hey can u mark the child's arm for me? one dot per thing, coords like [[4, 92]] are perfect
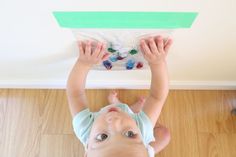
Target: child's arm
[[155, 52], [77, 78]]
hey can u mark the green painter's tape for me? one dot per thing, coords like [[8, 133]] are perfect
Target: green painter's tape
[[145, 20]]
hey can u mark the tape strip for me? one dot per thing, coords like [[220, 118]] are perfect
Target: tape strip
[[139, 20]]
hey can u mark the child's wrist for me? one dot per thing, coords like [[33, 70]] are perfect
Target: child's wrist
[[84, 64], [157, 64]]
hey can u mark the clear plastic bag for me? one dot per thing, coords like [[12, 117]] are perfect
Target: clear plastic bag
[[122, 44]]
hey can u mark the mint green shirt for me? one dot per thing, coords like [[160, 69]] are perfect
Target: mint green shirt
[[83, 121]]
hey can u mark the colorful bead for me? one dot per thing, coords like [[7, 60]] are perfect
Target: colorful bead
[[123, 55], [130, 64], [107, 64], [113, 58], [111, 50], [120, 58], [139, 65], [133, 51]]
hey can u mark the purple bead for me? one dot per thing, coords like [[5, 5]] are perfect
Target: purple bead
[[120, 58], [107, 64]]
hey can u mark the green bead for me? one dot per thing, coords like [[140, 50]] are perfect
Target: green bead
[[133, 51], [111, 50]]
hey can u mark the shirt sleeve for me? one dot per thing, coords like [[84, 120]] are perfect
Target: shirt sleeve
[[145, 126], [82, 124], [151, 151]]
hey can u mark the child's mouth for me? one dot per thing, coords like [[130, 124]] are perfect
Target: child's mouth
[[113, 109]]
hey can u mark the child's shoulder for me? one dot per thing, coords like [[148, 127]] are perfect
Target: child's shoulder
[[82, 124]]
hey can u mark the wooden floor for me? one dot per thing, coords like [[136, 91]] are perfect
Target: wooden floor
[[37, 123]]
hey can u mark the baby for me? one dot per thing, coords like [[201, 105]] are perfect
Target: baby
[[119, 129]]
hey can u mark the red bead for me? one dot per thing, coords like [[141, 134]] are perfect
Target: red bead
[[139, 65]]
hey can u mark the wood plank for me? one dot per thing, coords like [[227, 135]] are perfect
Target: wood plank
[[226, 143], [60, 146], [211, 112], [177, 116], [97, 98], [54, 112], [20, 134], [229, 102], [217, 144]]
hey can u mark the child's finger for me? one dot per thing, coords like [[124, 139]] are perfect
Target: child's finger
[[152, 45], [167, 45], [145, 48], [97, 49], [81, 49], [141, 48], [160, 44], [102, 51], [88, 48]]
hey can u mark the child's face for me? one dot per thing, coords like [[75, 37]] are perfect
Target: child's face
[[114, 129]]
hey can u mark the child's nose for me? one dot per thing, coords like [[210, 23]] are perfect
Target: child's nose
[[113, 119]]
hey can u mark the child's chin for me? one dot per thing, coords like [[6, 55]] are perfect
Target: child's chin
[[106, 108]]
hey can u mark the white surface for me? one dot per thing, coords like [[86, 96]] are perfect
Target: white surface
[[35, 50]]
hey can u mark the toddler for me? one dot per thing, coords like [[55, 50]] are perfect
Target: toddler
[[119, 129]]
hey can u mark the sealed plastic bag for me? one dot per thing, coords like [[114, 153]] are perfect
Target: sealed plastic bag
[[122, 44]]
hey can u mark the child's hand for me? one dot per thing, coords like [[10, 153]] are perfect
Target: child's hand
[[90, 55], [154, 49]]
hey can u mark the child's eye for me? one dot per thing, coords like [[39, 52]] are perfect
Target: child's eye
[[130, 134], [101, 137]]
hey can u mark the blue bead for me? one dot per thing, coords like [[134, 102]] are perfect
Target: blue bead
[[107, 64], [130, 64], [113, 58]]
